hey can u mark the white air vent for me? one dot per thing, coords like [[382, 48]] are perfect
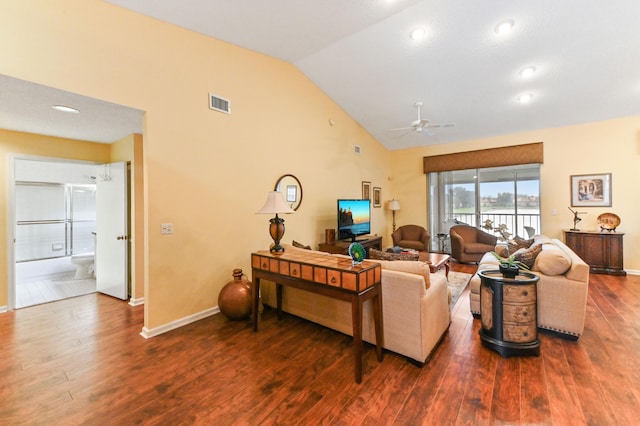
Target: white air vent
[[356, 149], [219, 104]]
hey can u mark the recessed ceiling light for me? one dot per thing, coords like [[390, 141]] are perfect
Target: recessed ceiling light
[[418, 34], [504, 27], [65, 109], [527, 72], [525, 97]]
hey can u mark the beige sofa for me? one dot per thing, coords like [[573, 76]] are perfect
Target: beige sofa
[[415, 317], [562, 288]]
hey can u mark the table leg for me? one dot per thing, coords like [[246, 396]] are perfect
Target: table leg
[[256, 299], [279, 300], [356, 316], [376, 304]]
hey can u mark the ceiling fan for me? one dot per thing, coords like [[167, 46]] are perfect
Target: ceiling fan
[[422, 125]]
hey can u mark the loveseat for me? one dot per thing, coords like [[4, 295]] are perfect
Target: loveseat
[[415, 308], [562, 288]]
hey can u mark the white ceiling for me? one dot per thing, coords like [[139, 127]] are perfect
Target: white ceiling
[[26, 107], [360, 54]]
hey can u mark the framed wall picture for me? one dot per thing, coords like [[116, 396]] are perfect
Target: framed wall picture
[[377, 197], [591, 190], [366, 190]]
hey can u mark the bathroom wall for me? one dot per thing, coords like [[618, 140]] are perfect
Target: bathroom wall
[[55, 209]]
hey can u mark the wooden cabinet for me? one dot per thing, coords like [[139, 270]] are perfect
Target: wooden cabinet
[[508, 308], [602, 251], [342, 247]]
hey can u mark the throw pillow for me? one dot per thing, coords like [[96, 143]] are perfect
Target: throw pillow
[[513, 246], [382, 255], [552, 260], [528, 255], [522, 243], [300, 245], [410, 267]]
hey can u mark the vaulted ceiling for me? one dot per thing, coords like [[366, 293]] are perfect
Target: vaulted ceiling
[[584, 56]]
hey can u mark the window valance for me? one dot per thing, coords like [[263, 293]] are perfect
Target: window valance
[[530, 153]]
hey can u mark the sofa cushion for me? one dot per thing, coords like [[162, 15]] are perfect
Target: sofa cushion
[[528, 255], [383, 255], [411, 267], [552, 260]]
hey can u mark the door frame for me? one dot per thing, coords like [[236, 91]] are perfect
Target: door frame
[[10, 210]]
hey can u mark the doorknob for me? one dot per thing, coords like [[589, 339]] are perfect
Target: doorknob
[[122, 237]]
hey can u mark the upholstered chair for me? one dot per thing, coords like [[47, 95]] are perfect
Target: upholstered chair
[[469, 244], [411, 236]]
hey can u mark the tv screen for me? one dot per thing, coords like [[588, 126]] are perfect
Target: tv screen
[[354, 218]]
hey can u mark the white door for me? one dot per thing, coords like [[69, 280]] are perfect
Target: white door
[[112, 231]]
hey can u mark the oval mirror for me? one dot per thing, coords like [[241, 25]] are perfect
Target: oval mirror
[[291, 189]]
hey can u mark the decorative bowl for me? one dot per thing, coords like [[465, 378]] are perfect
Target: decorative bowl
[[608, 221], [357, 253]]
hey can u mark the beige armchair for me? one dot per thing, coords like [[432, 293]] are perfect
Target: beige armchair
[[469, 244], [411, 236]]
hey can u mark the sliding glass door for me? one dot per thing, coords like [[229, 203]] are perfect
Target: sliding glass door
[[508, 196]]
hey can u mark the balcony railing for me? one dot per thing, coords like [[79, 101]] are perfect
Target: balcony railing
[[509, 219]]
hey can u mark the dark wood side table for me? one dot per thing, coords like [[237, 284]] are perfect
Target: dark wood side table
[[508, 308], [436, 261], [602, 251], [342, 247], [327, 275]]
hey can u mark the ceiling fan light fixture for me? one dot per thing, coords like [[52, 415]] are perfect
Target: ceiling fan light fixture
[[418, 33], [504, 27], [64, 108]]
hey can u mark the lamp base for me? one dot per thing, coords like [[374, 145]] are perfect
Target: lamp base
[[276, 230]]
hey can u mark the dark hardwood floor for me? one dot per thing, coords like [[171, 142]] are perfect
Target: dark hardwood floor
[[82, 361]]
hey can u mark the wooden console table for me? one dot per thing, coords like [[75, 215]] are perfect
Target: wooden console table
[[342, 247], [602, 251], [508, 308], [327, 275]]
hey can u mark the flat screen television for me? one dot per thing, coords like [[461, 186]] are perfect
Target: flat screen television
[[354, 219]]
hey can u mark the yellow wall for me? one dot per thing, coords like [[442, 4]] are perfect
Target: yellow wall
[[611, 146], [205, 172], [45, 146]]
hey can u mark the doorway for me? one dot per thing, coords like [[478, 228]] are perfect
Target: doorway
[[55, 223]]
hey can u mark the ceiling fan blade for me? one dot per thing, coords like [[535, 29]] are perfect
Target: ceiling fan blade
[[441, 125], [402, 128], [426, 131]]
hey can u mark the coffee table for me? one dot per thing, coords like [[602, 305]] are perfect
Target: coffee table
[[436, 261]]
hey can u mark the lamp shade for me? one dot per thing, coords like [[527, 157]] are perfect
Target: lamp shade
[[394, 205], [275, 204]]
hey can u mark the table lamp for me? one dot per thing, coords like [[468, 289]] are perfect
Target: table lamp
[[393, 206], [275, 204]]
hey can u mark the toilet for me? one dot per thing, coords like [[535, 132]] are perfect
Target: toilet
[[85, 265]]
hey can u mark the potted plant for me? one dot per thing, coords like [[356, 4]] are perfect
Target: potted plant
[[509, 266]]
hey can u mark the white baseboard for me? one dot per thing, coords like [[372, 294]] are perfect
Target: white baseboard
[[632, 271], [136, 302], [4, 309], [148, 333]]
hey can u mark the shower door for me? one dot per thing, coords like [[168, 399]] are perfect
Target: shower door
[[112, 239]]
